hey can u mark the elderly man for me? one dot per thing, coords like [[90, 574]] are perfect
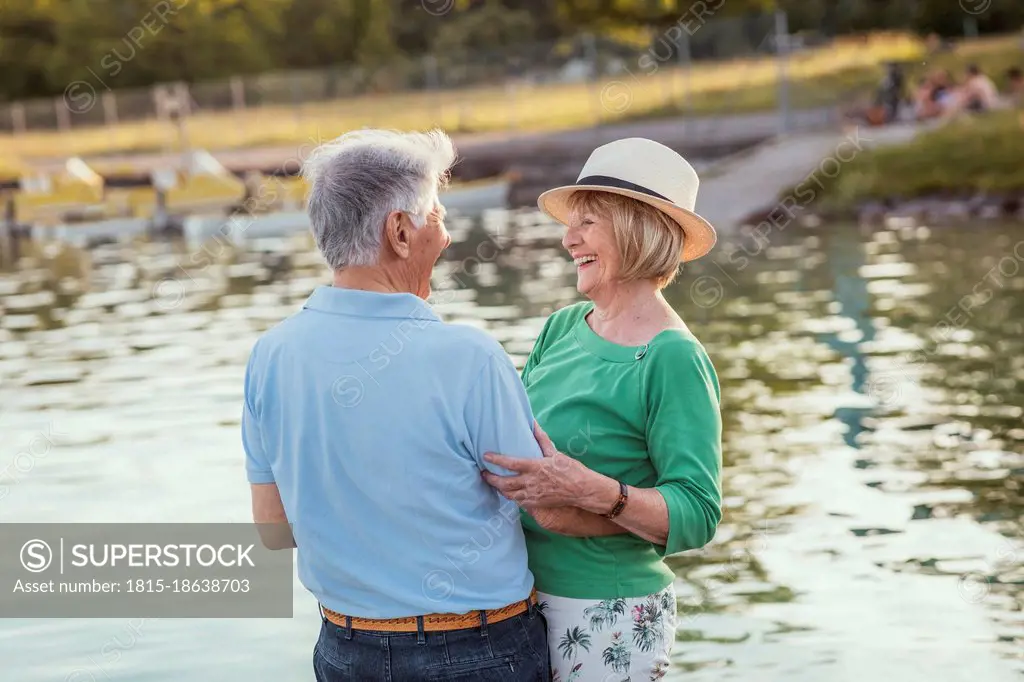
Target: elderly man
[[365, 423]]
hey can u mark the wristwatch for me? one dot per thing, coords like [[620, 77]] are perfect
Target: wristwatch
[[620, 503]]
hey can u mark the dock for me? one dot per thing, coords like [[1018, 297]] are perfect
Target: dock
[[487, 155], [743, 161], [734, 190]]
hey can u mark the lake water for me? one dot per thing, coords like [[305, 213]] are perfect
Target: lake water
[[874, 454]]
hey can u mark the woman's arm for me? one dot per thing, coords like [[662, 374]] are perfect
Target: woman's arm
[[544, 482], [684, 440], [684, 443], [574, 522], [645, 514]]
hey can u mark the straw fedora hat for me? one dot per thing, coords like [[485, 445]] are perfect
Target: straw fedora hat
[[646, 171]]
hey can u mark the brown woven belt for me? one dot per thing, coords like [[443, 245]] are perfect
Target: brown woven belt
[[434, 622]]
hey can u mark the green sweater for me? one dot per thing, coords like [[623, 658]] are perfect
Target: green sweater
[[648, 417]]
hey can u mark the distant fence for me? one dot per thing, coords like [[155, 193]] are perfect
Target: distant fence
[[94, 101]]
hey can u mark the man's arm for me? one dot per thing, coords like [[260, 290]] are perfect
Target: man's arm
[[269, 515], [267, 509], [561, 516], [499, 419], [498, 415]]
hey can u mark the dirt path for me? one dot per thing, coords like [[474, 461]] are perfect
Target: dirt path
[[492, 153], [752, 181]]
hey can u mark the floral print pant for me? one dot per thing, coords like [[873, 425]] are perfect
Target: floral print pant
[[610, 640]]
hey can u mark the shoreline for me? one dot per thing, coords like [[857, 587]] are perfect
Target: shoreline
[[964, 170], [483, 155], [937, 210], [941, 210]]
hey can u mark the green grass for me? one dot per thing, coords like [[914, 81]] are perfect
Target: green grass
[[721, 87], [854, 84], [842, 73], [977, 154], [993, 55], [837, 87]]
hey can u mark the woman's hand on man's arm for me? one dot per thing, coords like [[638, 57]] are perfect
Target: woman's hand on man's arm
[[548, 490], [566, 497], [554, 480]]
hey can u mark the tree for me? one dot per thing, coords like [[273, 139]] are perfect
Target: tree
[[46, 45], [27, 35]]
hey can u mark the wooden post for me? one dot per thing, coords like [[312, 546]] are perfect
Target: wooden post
[[60, 105], [512, 94], [685, 58], [433, 81], [109, 108], [8, 236], [160, 103], [18, 118], [238, 104], [184, 99], [183, 109], [595, 76], [296, 103], [6, 246], [782, 51], [237, 93]]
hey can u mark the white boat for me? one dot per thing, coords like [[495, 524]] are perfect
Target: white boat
[[476, 197], [80, 234], [241, 228], [470, 199]]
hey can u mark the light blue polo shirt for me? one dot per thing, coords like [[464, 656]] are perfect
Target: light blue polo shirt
[[372, 417]]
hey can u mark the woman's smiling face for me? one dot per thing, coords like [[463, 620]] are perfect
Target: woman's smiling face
[[590, 241]]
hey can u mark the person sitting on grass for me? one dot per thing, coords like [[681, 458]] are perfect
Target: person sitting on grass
[[934, 95], [978, 93]]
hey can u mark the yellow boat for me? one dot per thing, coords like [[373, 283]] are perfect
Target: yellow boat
[[202, 186], [48, 199], [199, 186], [130, 202], [269, 193]]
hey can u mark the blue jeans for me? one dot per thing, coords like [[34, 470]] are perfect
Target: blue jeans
[[513, 650]]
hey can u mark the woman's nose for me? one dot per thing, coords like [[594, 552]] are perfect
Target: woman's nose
[[570, 238]]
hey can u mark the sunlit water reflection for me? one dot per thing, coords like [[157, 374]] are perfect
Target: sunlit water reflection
[[873, 422]]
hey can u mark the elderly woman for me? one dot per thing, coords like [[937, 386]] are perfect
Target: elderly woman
[[628, 393]]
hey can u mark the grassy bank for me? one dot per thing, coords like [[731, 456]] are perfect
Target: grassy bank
[[707, 88], [839, 74], [976, 154], [855, 85]]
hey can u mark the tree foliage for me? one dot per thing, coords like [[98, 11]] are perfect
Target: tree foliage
[[47, 44]]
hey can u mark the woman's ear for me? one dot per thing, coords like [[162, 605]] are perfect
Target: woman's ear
[[397, 233]]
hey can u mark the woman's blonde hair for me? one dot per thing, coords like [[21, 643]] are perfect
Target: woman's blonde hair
[[649, 242]]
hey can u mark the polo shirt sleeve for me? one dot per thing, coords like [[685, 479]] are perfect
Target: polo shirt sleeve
[[257, 464], [684, 440], [538, 348], [498, 415]]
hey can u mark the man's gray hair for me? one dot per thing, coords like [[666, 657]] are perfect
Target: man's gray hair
[[360, 177]]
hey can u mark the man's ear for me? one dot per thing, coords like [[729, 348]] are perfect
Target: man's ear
[[397, 233]]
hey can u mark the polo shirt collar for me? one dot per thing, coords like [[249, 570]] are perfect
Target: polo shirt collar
[[359, 303]]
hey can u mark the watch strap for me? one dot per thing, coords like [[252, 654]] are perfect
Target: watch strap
[[620, 503]]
